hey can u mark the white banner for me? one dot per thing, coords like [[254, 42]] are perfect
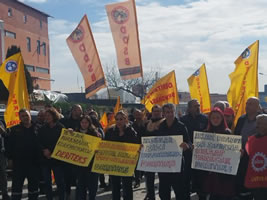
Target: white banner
[[161, 154], [216, 152]]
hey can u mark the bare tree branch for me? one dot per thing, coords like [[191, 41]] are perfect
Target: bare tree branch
[[114, 80]]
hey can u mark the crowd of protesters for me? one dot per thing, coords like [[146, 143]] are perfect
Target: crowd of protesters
[[29, 145]]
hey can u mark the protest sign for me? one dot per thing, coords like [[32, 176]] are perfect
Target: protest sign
[[161, 154], [216, 152], [75, 148], [116, 158]]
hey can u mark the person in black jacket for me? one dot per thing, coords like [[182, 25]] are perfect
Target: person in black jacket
[[3, 163], [121, 132], [152, 127], [48, 136], [73, 122], [246, 126], [172, 126], [194, 120], [23, 151], [87, 180]]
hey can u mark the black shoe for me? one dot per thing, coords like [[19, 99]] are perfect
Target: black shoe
[[104, 185], [136, 185], [6, 197]]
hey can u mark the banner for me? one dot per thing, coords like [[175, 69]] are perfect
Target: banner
[[216, 152], [163, 91], [83, 49], [161, 154], [13, 76], [199, 88], [116, 158], [123, 25], [244, 80], [257, 168], [75, 148]]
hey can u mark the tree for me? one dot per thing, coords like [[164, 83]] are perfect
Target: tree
[[3, 90], [136, 87]]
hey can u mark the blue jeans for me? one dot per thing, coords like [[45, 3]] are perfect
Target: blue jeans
[[59, 178]]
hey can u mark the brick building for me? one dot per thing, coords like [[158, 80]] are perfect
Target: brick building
[[26, 27]]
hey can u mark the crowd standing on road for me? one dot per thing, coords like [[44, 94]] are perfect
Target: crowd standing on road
[[29, 145]]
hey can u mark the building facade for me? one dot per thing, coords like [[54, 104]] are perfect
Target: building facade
[[27, 28]]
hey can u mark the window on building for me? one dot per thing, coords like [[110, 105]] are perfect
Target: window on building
[[28, 44], [44, 48], [42, 70], [38, 46], [10, 34], [9, 12], [30, 68], [25, 19], [41, 24]]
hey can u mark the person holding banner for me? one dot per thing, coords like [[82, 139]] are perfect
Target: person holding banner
[[73, 122], [48, 136], [87, 180], [23, 150], [172, 126], [121, 132], [152, 130], [218, 186], [194, 120]]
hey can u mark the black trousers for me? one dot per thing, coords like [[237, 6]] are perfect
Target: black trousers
[[259, 193], [150, 184], [168, 181], [126, 183], [20, 172]]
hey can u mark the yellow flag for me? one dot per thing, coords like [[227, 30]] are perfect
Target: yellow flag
[[163, 91], [244, 80], [123, 25], [13, 76], [117, 108], [199, 88], [104, 121]]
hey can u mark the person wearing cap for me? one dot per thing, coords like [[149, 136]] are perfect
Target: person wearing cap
[[229, 116]]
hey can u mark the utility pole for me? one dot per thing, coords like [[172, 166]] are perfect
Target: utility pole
[[2, 42]]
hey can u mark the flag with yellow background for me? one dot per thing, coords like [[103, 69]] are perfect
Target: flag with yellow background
[[13, 76], [244, 80], [163, 91], [199, 88]]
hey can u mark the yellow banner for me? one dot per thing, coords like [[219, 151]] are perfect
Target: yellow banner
[[75, 148], [199, 88], [123, 24], [83, 49], [244, 80], [116, 158], [13, 76], [163, 91]]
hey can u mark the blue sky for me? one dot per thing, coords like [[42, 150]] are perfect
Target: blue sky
[[180, 35]]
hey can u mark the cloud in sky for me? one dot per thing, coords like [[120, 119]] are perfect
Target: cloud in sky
[[33, 1], [179, 37]]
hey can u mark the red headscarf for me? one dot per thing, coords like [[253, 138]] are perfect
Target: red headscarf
[[223, 125]]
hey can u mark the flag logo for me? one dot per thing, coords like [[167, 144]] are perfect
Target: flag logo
[[11, 66], [120, 14], [246, 53], [196, 73], [78, 34]]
